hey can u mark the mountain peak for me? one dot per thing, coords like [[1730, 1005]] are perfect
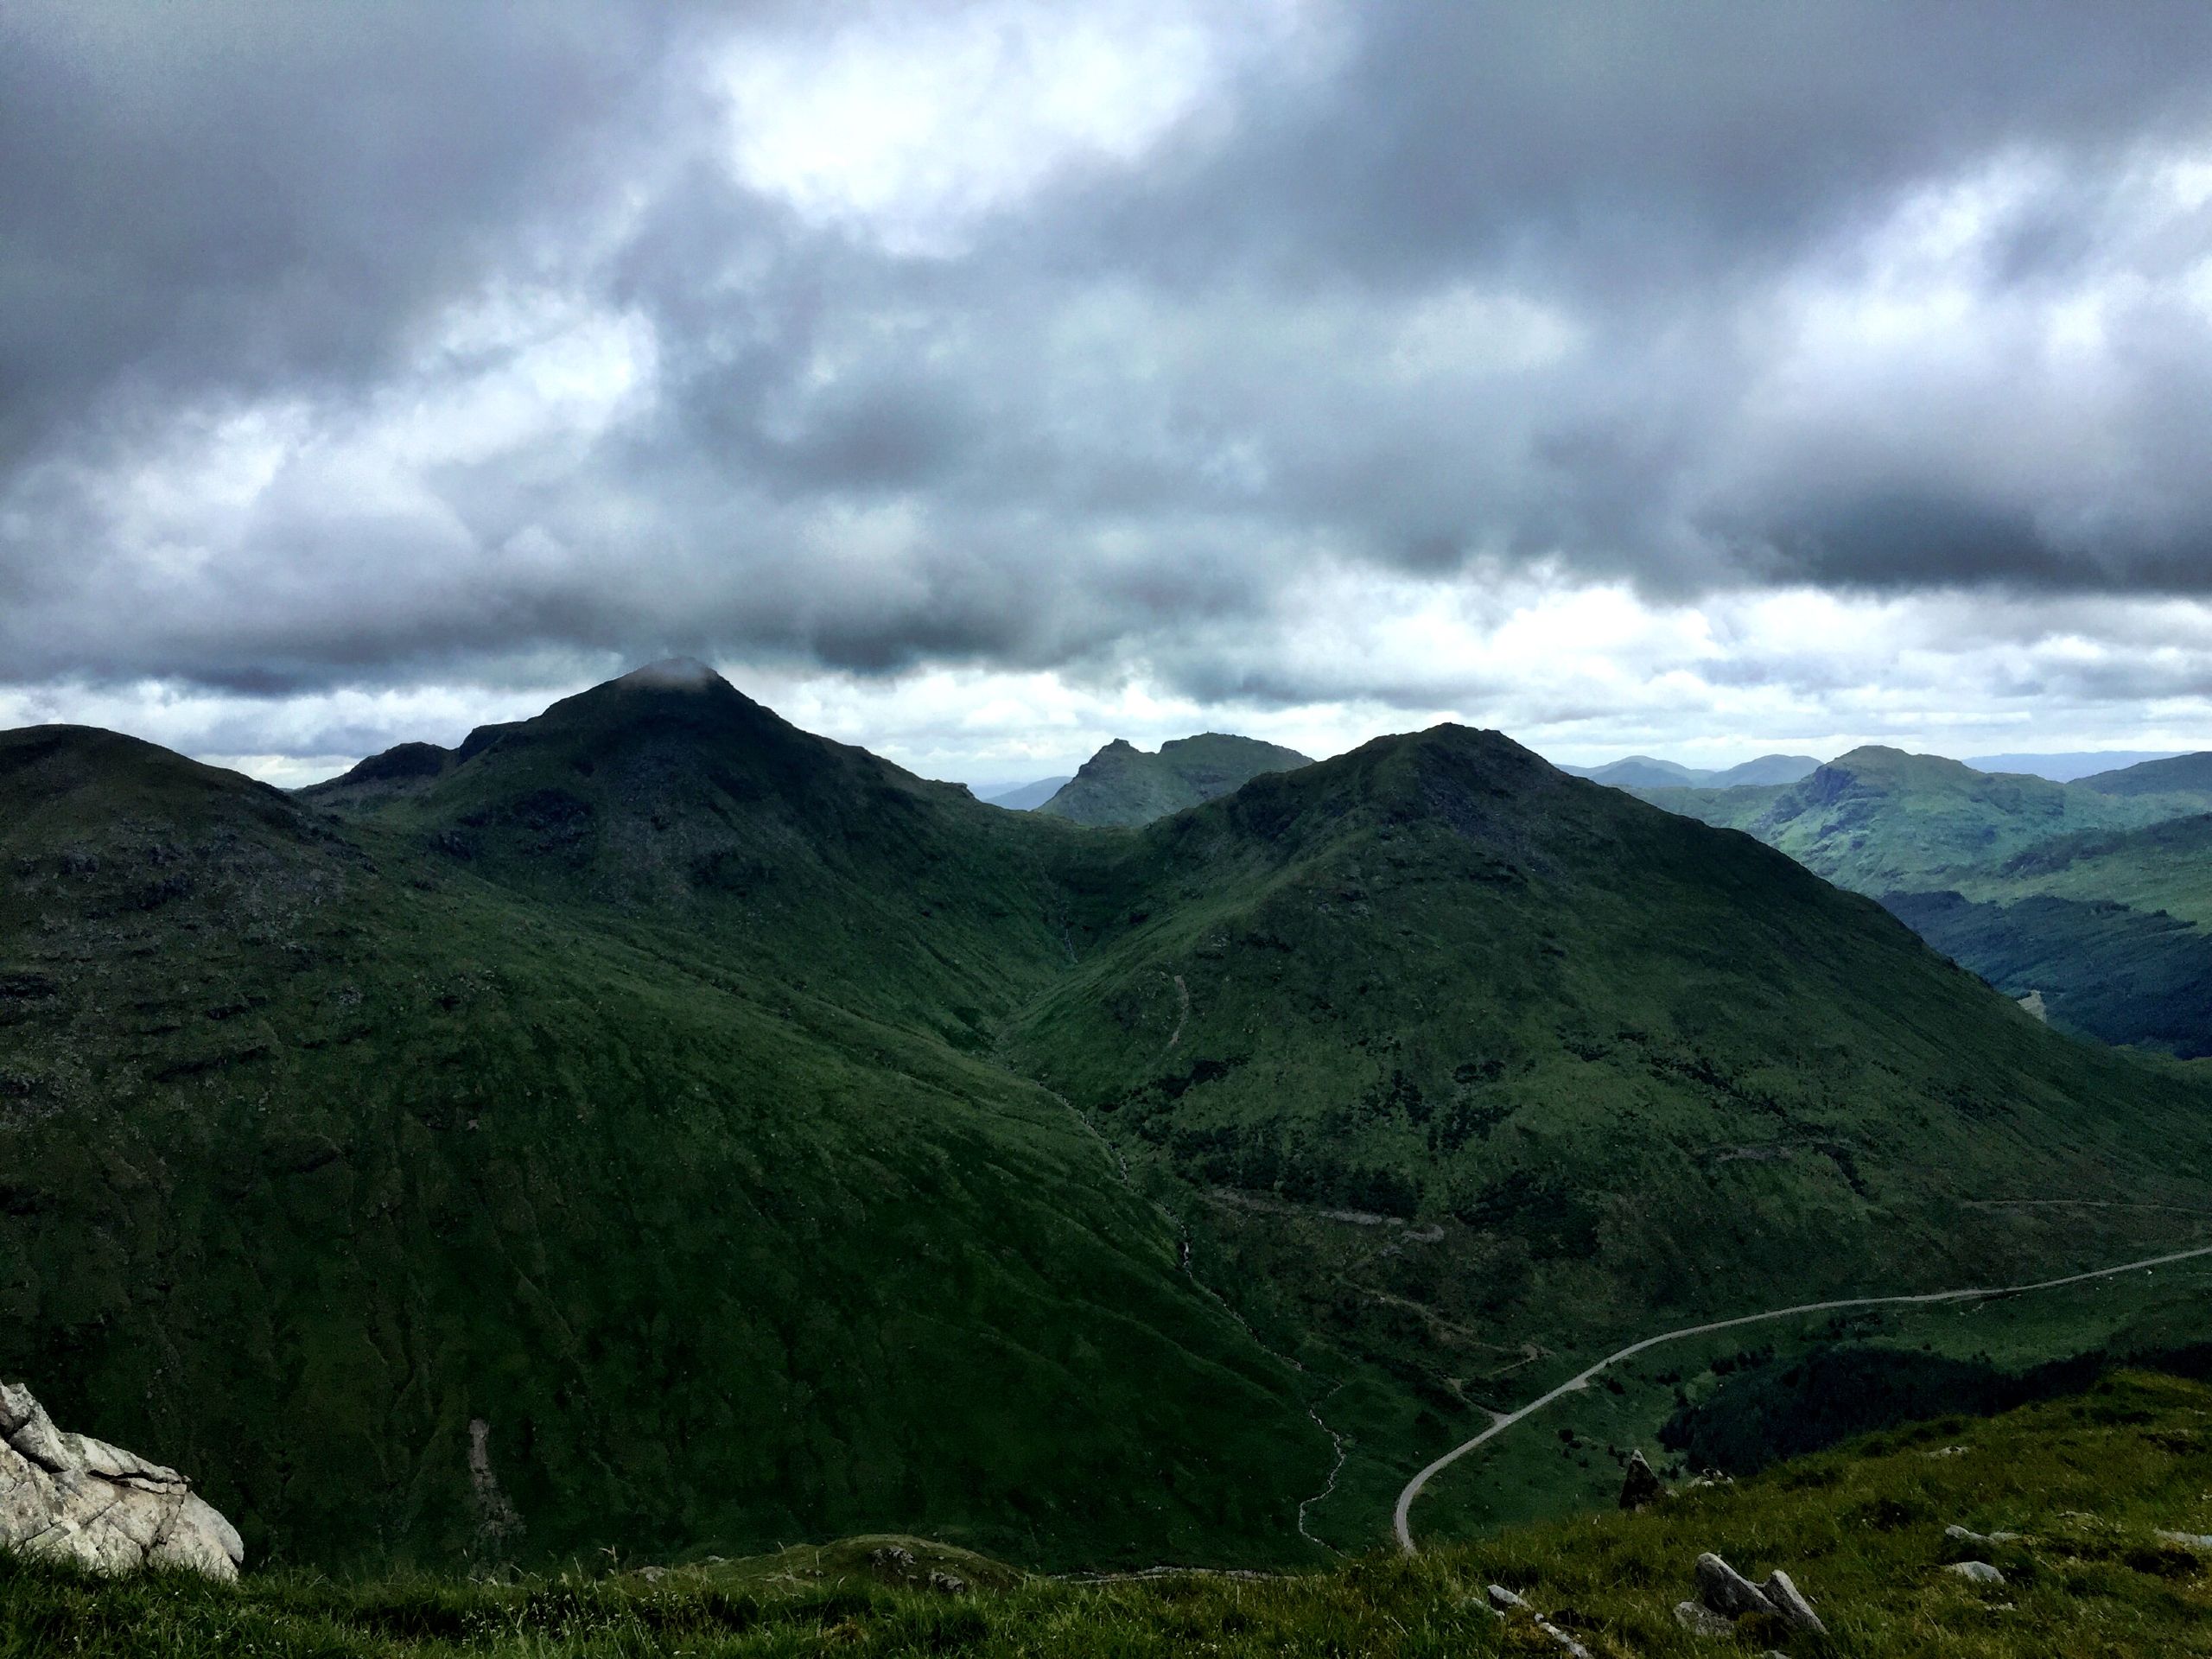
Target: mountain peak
[[673, 674]]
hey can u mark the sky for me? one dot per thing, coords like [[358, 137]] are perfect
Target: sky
[[979, 382]]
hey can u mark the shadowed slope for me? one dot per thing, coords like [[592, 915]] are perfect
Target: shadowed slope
[[428, 1220]]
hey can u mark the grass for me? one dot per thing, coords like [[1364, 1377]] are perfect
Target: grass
[[2089, 1482]]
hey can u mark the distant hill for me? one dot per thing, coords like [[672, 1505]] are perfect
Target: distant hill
[[1878, 819], [2176, 774], [2066, 767], [1122, 785], [1029, 797], [2097, 899], [1644, 772]]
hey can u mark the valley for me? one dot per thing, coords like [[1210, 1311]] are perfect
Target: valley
[[725, 1137]]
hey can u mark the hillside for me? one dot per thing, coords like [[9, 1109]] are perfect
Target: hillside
[[2180, 774], [1122, 785], [1455, 1055], [656, 1085], [2089, 895], [318, 1148], [2101, 1495]]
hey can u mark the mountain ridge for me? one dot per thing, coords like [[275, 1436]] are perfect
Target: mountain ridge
[[827, 1053]]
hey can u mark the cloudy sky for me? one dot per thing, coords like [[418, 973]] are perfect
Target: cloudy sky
[[981, 381]]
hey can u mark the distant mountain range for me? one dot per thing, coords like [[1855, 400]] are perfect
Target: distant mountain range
[[1027, 798], [699, 1135], [1122, 785], [1643, 772], [2094, 896], [1646, 772], [2065, 768]]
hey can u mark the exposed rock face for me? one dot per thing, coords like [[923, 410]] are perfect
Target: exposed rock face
[[1728, 1594], [1727, 1591], [1976, 1572], [1701, 1620], [71, 1497]]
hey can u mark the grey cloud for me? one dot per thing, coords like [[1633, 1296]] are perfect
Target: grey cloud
[[1122, 421]]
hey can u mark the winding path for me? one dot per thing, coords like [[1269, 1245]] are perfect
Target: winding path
[[1402, 1526]]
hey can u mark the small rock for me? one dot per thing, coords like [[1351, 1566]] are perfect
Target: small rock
[[1789, 1601], [948, 1584], [1976, 1572], [1946, 1451], [2186, 1540], [1727, 1591], [1639, 1485], [653, 1574], [1701, 1620], [891, 1558], [1503, 1599], [1959, 1535]]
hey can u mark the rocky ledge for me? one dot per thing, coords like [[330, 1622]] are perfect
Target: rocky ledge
[[71, 1497]]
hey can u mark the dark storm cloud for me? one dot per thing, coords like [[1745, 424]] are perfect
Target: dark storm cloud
[[1632, 147], [1461, 290], [232, 195]]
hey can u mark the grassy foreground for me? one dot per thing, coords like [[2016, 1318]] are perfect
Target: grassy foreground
[[2089, 1483]]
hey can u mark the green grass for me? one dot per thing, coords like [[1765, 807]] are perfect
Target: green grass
[[2089, 1481]]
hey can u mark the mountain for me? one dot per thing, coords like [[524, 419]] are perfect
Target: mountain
[[1765, 770], [2189, 774], [1029, 797], [2067, 767], [1640, 772], [1878, 819], [2058, 891], [1643, 772], [659, 1126], [481, 1191], [1122, 785]]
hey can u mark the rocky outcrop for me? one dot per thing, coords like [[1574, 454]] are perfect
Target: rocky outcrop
[[1639, 1484], [1727, 1595], [71, 1497]]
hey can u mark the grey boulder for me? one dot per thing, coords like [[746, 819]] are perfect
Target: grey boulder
[[70, 1497]]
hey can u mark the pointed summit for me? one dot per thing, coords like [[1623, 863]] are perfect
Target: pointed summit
[[673, 674]]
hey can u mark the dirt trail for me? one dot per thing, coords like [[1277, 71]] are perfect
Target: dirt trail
[[1401, 1522]]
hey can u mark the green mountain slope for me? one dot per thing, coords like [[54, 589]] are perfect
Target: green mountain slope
[[656, 1084], [2165, 866], [2075, 889], [317, 1148], [1463, 1062], [1880, 819], [2180, 774], [1122, 785]]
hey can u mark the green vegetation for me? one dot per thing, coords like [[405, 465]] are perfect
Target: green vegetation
[[2092, 896], [1878, 820], [762, 1143], [1122, 785], [2092, 1484]]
